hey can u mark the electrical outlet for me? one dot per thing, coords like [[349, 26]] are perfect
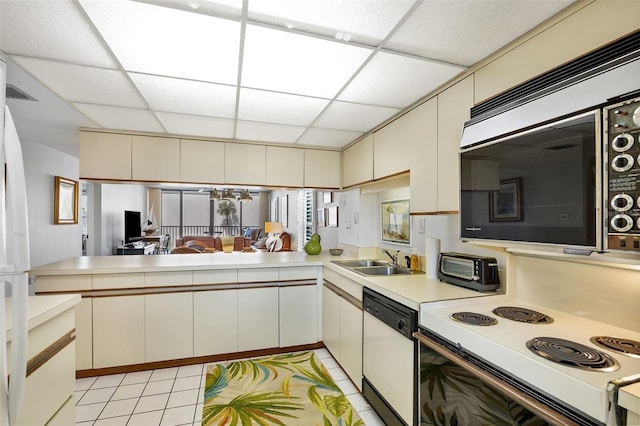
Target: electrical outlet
[[355, 217], [421, 226]]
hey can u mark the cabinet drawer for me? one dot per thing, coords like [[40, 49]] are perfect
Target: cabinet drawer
[[55, 283], [164, 279], [257, 275], [112, 281], [298, 273], [215, 276]]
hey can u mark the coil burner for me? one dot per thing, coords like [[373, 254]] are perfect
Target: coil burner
[[572, 354], [516, 313], [625, 346], [474, 318]]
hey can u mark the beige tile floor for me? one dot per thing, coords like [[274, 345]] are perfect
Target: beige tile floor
[[173, 396]]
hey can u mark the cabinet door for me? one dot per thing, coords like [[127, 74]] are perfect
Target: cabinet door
[[155, 159], [215, 322], [245, 164], [118, 331], [285, 166], [257, 318], [84, 334], [453, 110], [357, 163], [105, 156], [201, 161], [391, 147], [351, 341], [168, 326], [298, 315], [423, 145], [321, 169], [331, 321]]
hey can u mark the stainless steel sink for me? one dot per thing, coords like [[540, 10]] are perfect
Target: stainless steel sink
[[374, 267], [383, 270], [360, 263]]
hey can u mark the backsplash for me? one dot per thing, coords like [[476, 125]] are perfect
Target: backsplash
[[602, 293]]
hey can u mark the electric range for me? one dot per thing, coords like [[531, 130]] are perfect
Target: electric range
[[504, 344]]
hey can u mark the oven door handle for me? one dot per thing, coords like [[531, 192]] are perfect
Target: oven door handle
[[520, 397]]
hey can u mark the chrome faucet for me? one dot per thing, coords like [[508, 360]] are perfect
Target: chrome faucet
[[394, 258]]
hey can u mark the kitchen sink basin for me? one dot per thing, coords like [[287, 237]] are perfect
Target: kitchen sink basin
[[374, 267], [361, 263], [383, 270]]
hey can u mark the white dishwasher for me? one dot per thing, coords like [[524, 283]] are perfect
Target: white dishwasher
[[389, 358]]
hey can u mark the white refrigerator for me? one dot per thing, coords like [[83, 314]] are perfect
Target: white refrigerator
[[14, 262]]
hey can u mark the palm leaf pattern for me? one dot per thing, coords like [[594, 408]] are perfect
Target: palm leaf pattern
[[283, 389]]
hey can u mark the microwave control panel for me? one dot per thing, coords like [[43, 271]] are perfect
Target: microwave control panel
[[622, 176]]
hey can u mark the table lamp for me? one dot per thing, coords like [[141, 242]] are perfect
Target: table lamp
[[274, 229]]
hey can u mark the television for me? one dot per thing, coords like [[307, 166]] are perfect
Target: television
[[132, 225]]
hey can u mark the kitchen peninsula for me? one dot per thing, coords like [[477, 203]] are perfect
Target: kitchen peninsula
[[181, 309]]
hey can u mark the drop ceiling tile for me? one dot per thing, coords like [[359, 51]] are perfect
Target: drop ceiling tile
[[366, 22], [286, 62], [158, 40], [187, 96], [231, 9], [194, 125], [455, 31], [397, 80], [75, 83], [327, 137], [121, 118], [265, 132], [51, 30], [358, 117], [260, 105]]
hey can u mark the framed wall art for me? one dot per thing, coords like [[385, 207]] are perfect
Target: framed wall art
[[332, 217], [505, 205], [65, 205], [395, 221], [321, 217]]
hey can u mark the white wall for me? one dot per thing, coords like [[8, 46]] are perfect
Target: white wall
[[115, 199], [48, 242]]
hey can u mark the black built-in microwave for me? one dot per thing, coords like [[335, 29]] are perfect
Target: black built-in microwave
[[540, 185]]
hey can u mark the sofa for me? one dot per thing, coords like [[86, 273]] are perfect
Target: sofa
[[207, 241]]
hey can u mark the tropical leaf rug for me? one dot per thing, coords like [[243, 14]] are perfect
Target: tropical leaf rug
[[287, 389]]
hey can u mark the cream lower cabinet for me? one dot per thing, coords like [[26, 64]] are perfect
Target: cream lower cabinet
[[258, 318], [118, 331], [331, 321], [342, 331], [84, 334], [297, 315], [215, 322], [168, 322]]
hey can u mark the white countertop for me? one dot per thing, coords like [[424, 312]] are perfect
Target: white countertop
[[41, 309], [629, 398], [175, 262]]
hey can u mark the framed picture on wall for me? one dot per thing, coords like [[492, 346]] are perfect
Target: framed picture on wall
[[395, 221], [332, 217], [327, 197], [65, 204], [321, 217]]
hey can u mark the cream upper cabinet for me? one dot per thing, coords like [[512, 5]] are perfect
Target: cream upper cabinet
[[390, 147], [421, 136], [201, 161], [357, 163], [245, 163], [285, 166], [155, 159], [453, 110], [105, 156], [612, 18], [321, 169]]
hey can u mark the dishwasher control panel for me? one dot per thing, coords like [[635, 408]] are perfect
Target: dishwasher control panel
[[397, 316]]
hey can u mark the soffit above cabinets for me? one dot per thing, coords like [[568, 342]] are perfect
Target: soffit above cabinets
[[306, 72]]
